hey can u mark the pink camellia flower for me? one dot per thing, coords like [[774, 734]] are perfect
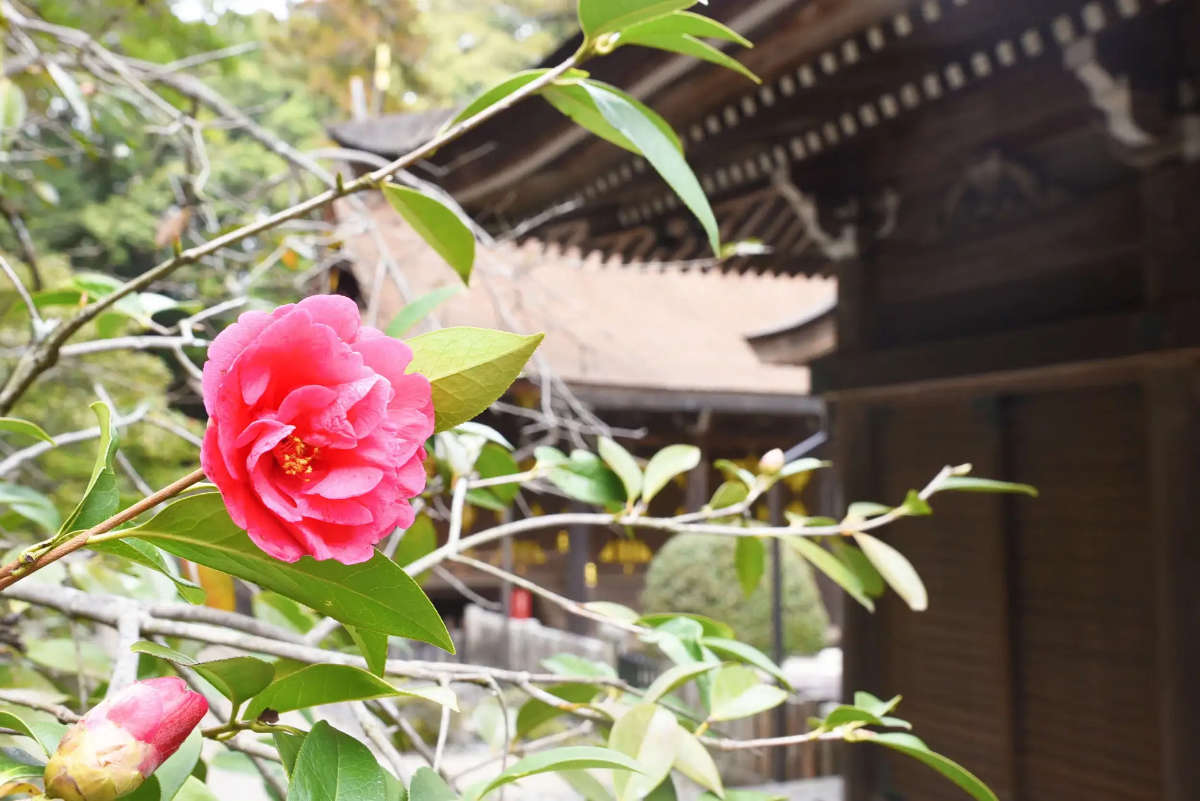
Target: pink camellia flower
[[316, 435], [120, 742]]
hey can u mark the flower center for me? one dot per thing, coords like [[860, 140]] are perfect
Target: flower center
[[295, 456]]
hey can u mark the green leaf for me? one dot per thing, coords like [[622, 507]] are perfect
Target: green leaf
[[428, 786], [707, 627], [419, 540], [866, 509], [587, 785], [494, 94], [896, 570], [469, 368], [737, 692], [146, 555], [730, 493], [25, 428], [690, 23], [971, 484], [693, 760], [534, 713], [645, 133], [495, 461], [837, 572], [31, 505], [39, 726], [665, 791], [598, 17], [238, 678], [438, 225], [735, 649], [101, 498], [172, 773], [18, 766], [585, 478], [805, 465], [734, 471], [858, 564], [613, 610], [195, 790], [164, 652], [650, 735], [377, 594], [876, 706], [333, 766], [750, 559], [656, 34], [12, 108], [574, 757], [288, 745], [419, 309], [571, 665], [574, 101], [622, 463], [316, 685], [283, 612], [373, 645], [914, 505], [914, 747], [845, 713], [665, 465], [676, 677]]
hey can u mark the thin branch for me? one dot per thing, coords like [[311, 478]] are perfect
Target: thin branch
[[35, 317]]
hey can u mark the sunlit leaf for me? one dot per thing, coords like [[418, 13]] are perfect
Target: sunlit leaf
[[737, 692], [438, 225], [665, 465], [972, 484], [828, 564], [18, 426], [333, 766], [576, 757], [598, 17], [916, 748], [469, 368], [896, 570], [101, 498], [622, 463], [649, 734]]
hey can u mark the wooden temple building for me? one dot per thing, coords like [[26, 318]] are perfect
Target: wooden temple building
[[1007, 193]]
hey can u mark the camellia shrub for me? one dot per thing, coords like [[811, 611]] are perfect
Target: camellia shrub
[[334, 448], [697, 574]]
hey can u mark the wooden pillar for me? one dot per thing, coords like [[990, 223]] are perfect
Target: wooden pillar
[[1173, 454], [578, 556]]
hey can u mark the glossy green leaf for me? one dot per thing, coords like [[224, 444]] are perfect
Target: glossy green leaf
[[419, 540], [18, 766], [572, 665], [837, 572], [101, 498], [740, 651], [585, 478], [598, 17], [867, 509], [613, 610], [737, 692], [494, 94], [665, 465], [660, 151], [914, 747], [662, 38], [858, 564], [283, 612], [319, 684], [876, 706], [730, 493], [469, 368], [172, 773], [165, 652], [238, 678], [574, 757], [438, 224], [676, 677], [147, 555], [25, 428], [373, 645], [665, 791], [693, 760], [972, 484], [333, 766], [534, 713], [31, 505], [495, 461], [419, 309], [734, 471], [428, 786], [703, 626], [195, 790], [623, 464], [41, 727], [649, 734], [573, 100], [690, 23], [376, 594], [288, 745], [914, 505], [750, 559], [588, 786], [896, 570], [805, 465], [845, 713]]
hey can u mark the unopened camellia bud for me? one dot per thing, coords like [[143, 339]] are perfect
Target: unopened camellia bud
[[120, 742], [771, 462]]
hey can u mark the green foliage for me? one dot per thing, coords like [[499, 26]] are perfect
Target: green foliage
[[437, 224], [696, 573]]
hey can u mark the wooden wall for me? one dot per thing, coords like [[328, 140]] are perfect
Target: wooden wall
[[1058, 656]]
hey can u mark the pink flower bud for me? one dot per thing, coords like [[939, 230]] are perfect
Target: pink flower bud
[[120, 742]]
